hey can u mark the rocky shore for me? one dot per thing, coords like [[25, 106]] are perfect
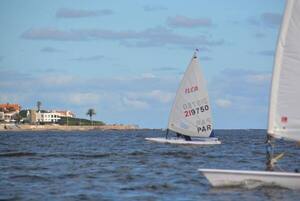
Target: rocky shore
[[55, 127]]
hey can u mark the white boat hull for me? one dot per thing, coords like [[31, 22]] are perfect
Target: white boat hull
[[223, 178], [206, 141]]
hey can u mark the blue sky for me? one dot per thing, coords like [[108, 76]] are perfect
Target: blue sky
[[126, 58]]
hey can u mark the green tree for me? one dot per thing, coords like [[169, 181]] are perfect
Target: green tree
[[39, 104], [17, 117], [91, 112]]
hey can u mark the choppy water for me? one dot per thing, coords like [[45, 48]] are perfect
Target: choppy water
[[116, 165]]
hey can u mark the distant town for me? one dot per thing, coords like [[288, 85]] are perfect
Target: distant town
[[13, 117]]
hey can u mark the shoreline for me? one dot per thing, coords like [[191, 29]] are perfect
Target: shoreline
[[55, 127]]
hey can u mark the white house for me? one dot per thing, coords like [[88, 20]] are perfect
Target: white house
[[9, 116], [47, 117]]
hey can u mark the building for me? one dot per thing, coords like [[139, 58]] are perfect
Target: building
[[9, 107], [47, 117], [9, 112], [42, 117], [10, 116], [66, 113], [31, 116]]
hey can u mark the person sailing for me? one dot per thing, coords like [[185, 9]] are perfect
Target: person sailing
[[269, 151], [186, 137]]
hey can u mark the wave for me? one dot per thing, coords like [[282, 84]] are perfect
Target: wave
[[177, 154], [30, 178], [66, 155], [17, 154], [150, 187]]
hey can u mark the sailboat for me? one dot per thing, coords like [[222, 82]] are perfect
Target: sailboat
[[284, 110], [190, 117]]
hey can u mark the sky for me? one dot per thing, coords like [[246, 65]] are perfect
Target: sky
[[126, 58]]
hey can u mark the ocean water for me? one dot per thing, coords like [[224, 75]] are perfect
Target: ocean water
[[121, 165]]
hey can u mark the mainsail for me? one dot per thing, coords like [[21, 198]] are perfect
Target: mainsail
[[284, 111], [190, 114]]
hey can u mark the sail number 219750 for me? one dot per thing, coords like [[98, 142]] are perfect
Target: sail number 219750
[[195, 111]]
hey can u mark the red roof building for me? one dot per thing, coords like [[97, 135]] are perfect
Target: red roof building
[[10, 107]]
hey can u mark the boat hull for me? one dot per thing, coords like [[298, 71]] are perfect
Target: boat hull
[[223, 178], [207, 141]]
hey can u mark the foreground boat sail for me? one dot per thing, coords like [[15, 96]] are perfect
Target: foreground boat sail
[[190, 117], [284, 110]]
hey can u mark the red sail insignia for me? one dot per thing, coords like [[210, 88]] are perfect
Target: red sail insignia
[[284, 119]]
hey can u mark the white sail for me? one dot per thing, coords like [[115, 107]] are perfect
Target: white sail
[[190, 114], [284, 111]]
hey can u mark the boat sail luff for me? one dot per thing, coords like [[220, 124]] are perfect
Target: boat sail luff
[[190, 114], [284, 110]]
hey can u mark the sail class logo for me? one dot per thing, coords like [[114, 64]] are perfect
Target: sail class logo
[[191, 89]]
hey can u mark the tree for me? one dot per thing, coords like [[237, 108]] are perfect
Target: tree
[[17, 117], [90, 113], [38, 104]]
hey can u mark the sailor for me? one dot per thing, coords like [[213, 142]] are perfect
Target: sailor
[[269, 147], [186, 137], [179, 135]]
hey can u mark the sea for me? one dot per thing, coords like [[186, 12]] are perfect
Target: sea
[[122, 165]]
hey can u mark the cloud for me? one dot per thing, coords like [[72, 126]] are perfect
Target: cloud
[[239, 83], [152, 8], [259, 35], [54, 34], [253, 21], [240, 98], [10, 97], [148, 76], [122, 99], [161, 96], [145, 86], [50, 50], [205, 58], [164, 69], [12, 75], [186, 22], [266, 53], [223, 103], [151, 37], [135, 104], [259, 78], [56, 79], [79, 13], [153, 95], [267, 19], [91, 58], [83, 98], [271, 19]]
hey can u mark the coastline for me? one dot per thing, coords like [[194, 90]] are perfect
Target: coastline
[[55, 127]]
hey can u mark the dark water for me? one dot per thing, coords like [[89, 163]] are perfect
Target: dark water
[[115, 165]]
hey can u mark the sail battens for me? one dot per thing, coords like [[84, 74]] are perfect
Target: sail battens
[[190, 114], [284, 111]]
